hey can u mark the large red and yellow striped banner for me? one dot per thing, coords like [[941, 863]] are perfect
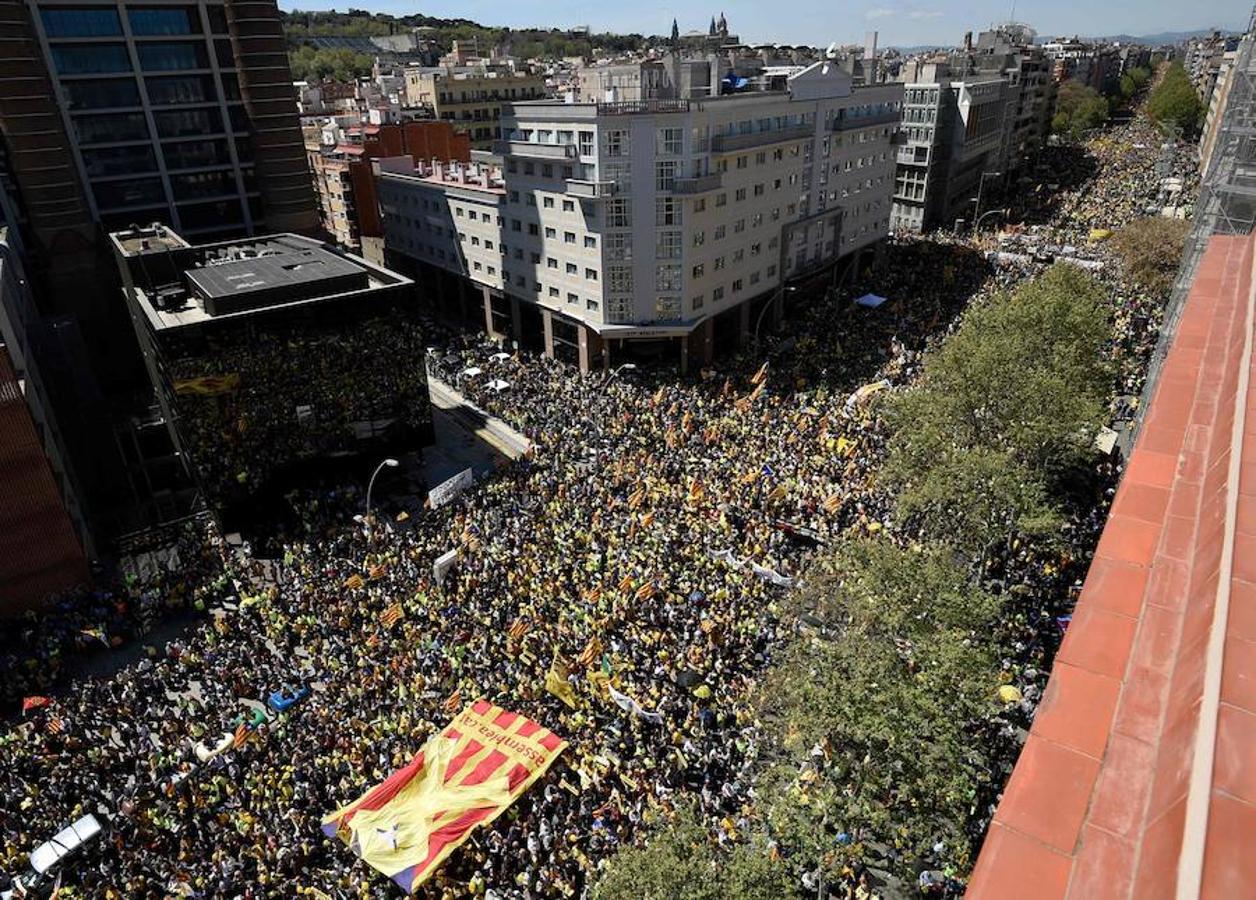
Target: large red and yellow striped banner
[[465, 776]]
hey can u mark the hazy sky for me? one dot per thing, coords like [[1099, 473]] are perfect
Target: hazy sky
[[818, 22]]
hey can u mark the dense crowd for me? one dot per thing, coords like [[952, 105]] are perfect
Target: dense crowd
[[285, 397], [647, 541]]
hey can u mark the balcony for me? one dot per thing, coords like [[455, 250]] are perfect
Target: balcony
[[529, 150], [888, 118], [635, 107], [590, 190], [697, 184], [729, 143]]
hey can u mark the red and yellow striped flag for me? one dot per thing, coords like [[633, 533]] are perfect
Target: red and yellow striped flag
[[453, 702], [832, 503], [392, 615], [464, 777], [646, 591], [355, 583], [591, 653], [760, 375], [625, 583], [519, 628], [242, 735], [55, 725]]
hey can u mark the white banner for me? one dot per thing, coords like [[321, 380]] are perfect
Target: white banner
[[443, 564], [447, 490]]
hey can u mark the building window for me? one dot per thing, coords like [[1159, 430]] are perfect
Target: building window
[[551, 263], [572, 298], [165, 57], [668, 245], [131, 192], [719, 232], [617, 143], [553, 292], [586, 143], [619, 279], [718, 263], [590, 274], [717, 294], [697, 302], [667, 211], [699, 205], [721, 199], [737, 285], [670, 141], [591, 305], [187, 122], [572, 268], [740, 195], [699, 270], [699, 238], [569, 206], [177, 20], [590, 242], [739, 226], [90, 59], [618, 213], [111, 128], [548, 202], [101, 93], [665, 175], [569, 237], [551, 232], [80, 22]]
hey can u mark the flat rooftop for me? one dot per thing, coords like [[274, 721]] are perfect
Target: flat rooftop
[[179, 285]]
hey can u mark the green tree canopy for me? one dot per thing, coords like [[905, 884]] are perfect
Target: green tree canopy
[[1006, 408], [680, 862], [1151, 249], [879, 707], [1174, 103], [1078, 108], [309, 64]]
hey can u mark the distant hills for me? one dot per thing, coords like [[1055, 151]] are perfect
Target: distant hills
[[1154, 40]]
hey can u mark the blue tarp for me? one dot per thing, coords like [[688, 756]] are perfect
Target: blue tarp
[[286, 697], [872, 301]]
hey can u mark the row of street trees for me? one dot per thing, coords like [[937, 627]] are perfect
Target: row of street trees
[[887, 737], [1080, 108]]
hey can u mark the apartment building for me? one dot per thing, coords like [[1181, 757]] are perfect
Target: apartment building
[[677, 221], [954, 143], [340, 163], [471, 99]]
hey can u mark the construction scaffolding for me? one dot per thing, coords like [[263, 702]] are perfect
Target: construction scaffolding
[[1226, 203]]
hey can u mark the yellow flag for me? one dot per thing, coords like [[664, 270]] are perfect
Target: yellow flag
[[556, 683], [355, 582]]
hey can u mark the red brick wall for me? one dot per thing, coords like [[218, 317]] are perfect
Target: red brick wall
[[39, 551]]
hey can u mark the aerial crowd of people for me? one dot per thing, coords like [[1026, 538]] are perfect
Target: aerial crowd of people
[[644, 544]]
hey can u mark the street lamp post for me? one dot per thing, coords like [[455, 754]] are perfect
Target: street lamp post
[[390, 463], [614, 372], [989, 212], [980, 186], [780, 292]]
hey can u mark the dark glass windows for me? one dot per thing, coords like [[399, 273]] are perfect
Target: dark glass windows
[[150, 20], [90, 59], [187, 122], [160, 56], [119, 161], [98, 21], [101, 94], [110, 129]]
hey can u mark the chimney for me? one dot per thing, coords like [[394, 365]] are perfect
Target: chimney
[[968, 42], [870, 57]]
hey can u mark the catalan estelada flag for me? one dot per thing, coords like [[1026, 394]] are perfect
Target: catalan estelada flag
[[465, 776]]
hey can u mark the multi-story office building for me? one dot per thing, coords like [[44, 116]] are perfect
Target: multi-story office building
[[119, 112], [471, 99], [673, 220], [954, 135], [272, 356], [181, 114]]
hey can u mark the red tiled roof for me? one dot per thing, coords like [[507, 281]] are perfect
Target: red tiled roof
[[1139, 775]]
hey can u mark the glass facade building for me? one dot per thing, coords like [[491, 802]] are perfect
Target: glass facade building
[[152, 100]]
